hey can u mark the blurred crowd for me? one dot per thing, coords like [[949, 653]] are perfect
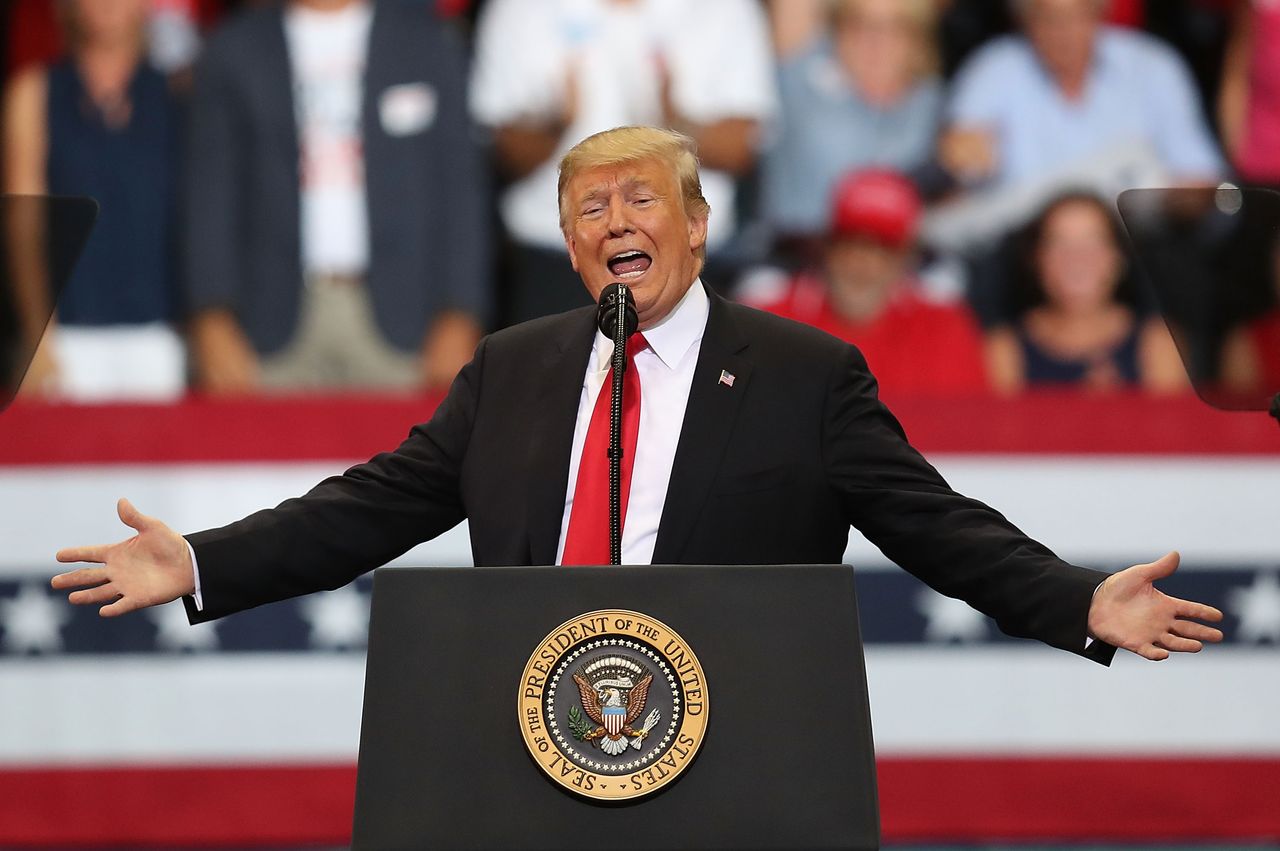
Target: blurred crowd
[[345, 194]]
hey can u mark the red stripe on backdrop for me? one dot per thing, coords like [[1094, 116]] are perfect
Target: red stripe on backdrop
[[926, 799], [1048, 799], [203, 430], [167, 807], [319, 428]]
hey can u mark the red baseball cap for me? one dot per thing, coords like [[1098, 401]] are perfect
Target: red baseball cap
[[876, 203]]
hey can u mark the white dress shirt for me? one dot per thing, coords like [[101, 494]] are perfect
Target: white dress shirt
[[666, 374]]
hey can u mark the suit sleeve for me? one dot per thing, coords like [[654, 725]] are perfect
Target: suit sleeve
[[346, 525], [959, 546]]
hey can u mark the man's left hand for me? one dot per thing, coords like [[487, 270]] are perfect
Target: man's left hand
[[1128, 612]]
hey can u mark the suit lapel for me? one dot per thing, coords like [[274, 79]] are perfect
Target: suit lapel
[[550, 433], [708, 423]]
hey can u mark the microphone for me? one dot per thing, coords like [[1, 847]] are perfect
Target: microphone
[[617, 320], [607, 312]]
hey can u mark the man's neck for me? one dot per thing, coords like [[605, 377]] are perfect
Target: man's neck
[[692, 274], [689, 296]]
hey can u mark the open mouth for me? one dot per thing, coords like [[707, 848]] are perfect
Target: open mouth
[[629, 264]]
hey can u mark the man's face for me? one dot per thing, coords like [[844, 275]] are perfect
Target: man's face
[[627, 223], [878, 44], [1063, 33], [862, 274]]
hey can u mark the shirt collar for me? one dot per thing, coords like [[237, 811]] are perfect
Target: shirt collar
[[673, 336]]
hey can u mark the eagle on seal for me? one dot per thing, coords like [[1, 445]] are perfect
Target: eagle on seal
[[603, 705]]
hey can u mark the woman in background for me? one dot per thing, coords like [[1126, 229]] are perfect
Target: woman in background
[[1078, 331], [101, 122]]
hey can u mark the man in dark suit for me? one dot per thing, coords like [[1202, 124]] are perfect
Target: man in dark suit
[[757, 440], [335, 221]]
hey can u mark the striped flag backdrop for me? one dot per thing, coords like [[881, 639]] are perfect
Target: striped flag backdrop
[[144, 730]]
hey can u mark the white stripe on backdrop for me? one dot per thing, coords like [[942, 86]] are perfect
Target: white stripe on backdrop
[[1087, 508], [300, 707]]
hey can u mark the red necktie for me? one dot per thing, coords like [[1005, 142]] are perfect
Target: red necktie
[[587, 541]]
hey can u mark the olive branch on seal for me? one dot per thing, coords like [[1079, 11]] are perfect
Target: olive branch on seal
[[578, 725]]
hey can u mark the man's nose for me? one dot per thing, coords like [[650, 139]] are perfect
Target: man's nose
[[619, 220]]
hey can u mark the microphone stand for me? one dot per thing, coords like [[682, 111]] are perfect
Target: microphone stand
[[616, 318], [619, 332]]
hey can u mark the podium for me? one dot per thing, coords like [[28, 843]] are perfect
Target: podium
[[630, 707]]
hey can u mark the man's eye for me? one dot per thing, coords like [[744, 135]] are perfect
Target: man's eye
[[642, 201], [590, 212]]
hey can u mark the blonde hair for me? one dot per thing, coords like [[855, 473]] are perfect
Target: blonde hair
[[631, 144], [923, 15]]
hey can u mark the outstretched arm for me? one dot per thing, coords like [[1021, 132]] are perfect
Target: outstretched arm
[[967, 550], [343, 527], [1128, 612], [151, 568]]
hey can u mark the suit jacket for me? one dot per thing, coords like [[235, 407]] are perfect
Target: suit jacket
[[426, 190], [774, 469]]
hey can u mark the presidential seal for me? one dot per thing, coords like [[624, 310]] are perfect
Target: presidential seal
[[613, 705]]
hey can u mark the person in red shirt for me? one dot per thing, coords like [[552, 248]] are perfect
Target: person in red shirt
[[865, 293]]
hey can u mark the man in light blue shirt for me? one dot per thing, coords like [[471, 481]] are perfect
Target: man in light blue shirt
[[1070, 90], [863, 95]]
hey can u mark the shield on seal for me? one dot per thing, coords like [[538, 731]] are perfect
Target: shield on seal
[[614, 718]]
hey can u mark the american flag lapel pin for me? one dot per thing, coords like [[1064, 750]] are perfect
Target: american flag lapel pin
[[726, 378]]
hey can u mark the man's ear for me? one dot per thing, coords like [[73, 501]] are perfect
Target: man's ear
[[697, 232]]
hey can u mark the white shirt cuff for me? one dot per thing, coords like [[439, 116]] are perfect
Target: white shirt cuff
[[1088, 639], [195, 569]]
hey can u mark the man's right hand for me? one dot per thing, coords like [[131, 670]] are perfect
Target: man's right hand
[[969, 154], [226, 364], [151, 568]]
